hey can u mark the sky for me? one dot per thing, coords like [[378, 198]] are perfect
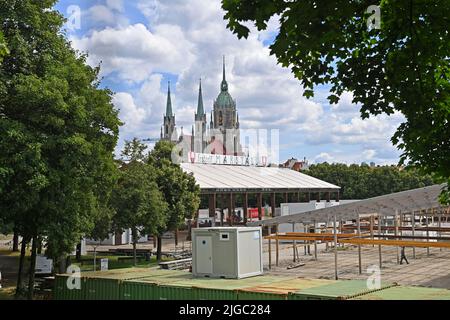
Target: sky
[[143, 44]]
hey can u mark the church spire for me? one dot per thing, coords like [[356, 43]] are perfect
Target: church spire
[[224, 79], [224, 85], [169, 102], [200, 109]]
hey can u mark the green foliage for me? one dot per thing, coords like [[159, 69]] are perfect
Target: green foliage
[[58, 130], [403, 66], [3, 48], [180, 190], [362, 182], [134, 150], [137, 201]]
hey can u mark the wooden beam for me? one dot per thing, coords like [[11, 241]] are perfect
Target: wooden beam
[[277, 243], [379, 246], [245, 207], [413, 228], [335, 250], [315, 243], [359, 246], [270, 248], [212, 208], [273, 203], [230, 208], [400, 243], [259, 203]]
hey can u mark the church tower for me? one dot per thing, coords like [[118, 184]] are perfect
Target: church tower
[[168, 131], [225, 122], [200, 124]]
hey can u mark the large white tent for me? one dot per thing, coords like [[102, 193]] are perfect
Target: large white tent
[[222, 178]]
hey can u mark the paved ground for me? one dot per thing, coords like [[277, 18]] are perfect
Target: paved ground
[[430, 271]]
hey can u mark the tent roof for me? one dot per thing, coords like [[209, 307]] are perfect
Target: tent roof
[[405, 201], [231, 178]]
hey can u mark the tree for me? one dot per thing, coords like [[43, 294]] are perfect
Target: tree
[[3, 48], [179, 189], [362, 182], [58, 131], [138, 203], [401, 66]]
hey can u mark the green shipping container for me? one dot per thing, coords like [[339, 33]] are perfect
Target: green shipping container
[[62, 292], [157, 287], [341, 290], [175, 292], [105, 285], [407, 293], [280, 290], [101, 289], [134, 290], [253, 294], [215, 294]]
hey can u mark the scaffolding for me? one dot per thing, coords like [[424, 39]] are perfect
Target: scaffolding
[[404, 219]]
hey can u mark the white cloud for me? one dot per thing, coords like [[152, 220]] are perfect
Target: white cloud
[[324, 157], [369, 154], [130, 114], [134, 53], [116, 5], [188, 39]]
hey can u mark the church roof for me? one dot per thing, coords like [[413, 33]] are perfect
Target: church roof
[[200, 109], [169, 112], [224, 99]]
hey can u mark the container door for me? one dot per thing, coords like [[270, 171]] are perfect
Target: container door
[[204, 254]]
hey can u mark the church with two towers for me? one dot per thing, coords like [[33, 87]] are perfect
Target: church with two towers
[[220, 136]]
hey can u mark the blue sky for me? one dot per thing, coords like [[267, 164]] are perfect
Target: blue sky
[[142, 44]]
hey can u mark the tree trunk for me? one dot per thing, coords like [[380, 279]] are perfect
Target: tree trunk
[[32, 270], [189, 228], [39, 245], [62, 267], [78, 252], [159, 249], [176, 237], [23, 248], [134, 238], [68, 262], [15, 247]]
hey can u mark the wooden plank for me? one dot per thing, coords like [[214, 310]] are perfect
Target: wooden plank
[[281, 237], [392, 228], [277, 246], [312, 234], [401, 243]]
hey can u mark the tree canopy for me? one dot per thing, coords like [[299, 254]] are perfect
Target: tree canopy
[[3, 48], [363, 181], [180, 190], [58, 131], [403, 65], [137, 200]]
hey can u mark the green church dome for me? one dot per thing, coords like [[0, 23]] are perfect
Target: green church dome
[[224, 100]]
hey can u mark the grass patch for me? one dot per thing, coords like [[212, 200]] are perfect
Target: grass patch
[[9, 253], [7, 293], [114, 263]]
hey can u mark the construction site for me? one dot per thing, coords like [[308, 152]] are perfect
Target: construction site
[[393, 247]]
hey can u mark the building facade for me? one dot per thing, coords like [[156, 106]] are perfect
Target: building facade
[[220, 136]]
